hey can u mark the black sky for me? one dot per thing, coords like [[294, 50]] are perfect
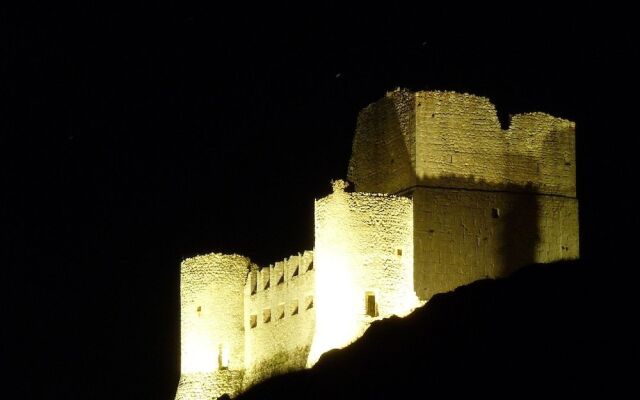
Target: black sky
[[135, 137]]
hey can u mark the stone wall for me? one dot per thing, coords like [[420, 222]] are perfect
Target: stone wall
[[279, 317], [464, 235], [384, 146], [447, 139], [419, 144], [459, 136], [471, 201], [212, 331], [363, 248], [209, 385]]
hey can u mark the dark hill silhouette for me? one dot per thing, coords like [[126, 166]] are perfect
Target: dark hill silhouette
[[541, 331]]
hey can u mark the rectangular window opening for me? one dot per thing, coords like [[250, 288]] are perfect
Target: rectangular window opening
[[294, 307], [371, 305], [308, 303], [399, 252], [223, 356], [495, 212], [253, 321]]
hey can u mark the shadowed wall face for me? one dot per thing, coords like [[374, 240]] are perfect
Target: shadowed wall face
[[461, 236], [383, 157], [459, 144]]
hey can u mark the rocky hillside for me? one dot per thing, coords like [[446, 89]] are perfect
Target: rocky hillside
[[541, 331]]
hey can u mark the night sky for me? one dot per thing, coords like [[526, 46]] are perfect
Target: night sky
[[132, 138]]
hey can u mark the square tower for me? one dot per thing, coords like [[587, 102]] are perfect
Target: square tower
[[486, 201]]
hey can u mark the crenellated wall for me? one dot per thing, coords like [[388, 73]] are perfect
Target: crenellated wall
[[363, 247], [279, 317]]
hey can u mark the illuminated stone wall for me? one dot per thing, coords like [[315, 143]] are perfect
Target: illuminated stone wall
[[443, 197], [459, 136], [211, 324], [279, 317], [447, 139], [486, 200], [363, 246]]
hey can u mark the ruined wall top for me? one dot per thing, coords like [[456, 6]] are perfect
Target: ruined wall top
[[454, 140]]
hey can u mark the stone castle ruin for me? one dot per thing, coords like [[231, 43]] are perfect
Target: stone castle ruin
[[442, 197]]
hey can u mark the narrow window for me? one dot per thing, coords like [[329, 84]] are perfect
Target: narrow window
[[253, 320], [310, 266], [223, 356], [370, 304], [495, 212], [294, 307], [399, 252], [295, 272], [281, 280], [199, 310], [266, 315]]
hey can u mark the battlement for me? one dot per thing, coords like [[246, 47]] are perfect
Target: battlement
[[261, 279], [438, 139], [279, 316]]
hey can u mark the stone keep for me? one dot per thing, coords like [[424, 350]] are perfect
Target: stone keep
[[485, 200], [443, 196]]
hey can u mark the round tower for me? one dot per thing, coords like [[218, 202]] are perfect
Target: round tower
[[212, 332]]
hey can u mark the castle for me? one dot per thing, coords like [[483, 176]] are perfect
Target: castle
[[442, 197]]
